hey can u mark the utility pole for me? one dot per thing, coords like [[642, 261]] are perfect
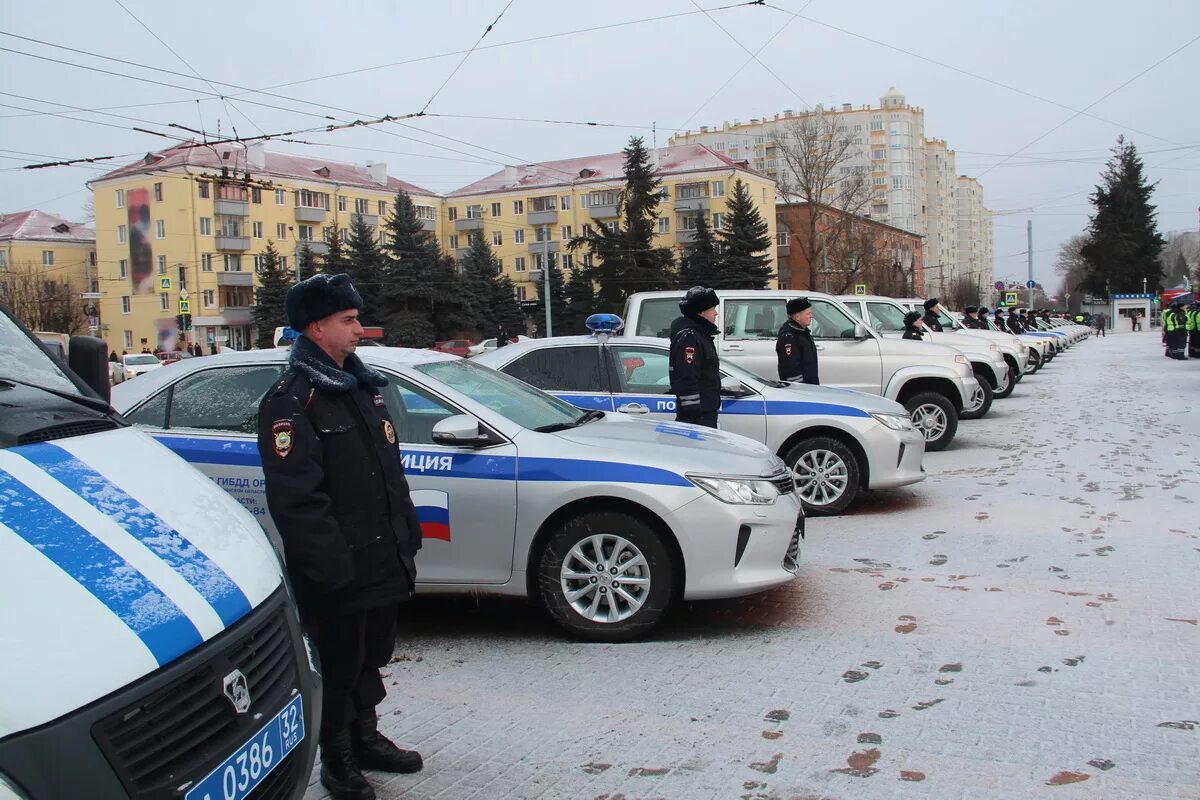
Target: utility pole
[[546, 280], [1029, 233]]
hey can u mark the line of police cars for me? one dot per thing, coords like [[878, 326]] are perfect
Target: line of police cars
[[160, 651]]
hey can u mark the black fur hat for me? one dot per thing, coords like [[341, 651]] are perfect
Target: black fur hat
[[797, 304], [910, 319], [698, 299], [930, 303], [970, 310], [317, 297]]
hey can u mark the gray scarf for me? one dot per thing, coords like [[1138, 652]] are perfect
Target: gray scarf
[[315, 364]]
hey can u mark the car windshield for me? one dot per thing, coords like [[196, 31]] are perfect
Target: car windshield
[[21, 357], [746, 376], [886, 317], [510, 398], [140, 360]]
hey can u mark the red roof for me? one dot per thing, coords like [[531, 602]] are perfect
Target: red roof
[[43, 226], [276, 165], [595, 169]]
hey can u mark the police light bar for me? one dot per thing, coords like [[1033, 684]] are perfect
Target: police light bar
[[604, 323]]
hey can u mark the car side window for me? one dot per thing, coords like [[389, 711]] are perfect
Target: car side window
[[830, 322], [753, 319], [414, 411], [886, 317], [561, 369], [152, 413], [655, 317], [642, 370], [223, 399]]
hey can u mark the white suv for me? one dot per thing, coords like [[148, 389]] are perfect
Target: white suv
[[932, 381]]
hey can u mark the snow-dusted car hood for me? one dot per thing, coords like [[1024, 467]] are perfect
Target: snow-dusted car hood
[[116, 557]]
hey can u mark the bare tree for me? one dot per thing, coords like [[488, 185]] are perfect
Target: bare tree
[[1180, 257], [814, 168], [963, 291], [89, 210], [1073, 268], [41, 303]]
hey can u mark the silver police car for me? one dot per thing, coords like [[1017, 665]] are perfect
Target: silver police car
[[604, 518], [836, 441]]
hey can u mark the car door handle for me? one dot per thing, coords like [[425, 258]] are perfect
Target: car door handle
[[820, 346], [732, 347], [633, 408]]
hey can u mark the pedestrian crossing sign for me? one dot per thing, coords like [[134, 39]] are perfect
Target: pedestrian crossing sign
[[860, 288], [185, 307], [164, 283], [1011, 299]]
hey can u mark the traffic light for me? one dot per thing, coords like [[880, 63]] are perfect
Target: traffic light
[[184, 321]]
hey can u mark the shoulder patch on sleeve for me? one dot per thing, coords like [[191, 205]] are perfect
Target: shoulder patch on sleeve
[[283, 437]]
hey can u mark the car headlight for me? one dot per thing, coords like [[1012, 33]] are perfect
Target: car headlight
[[995, 348], [737, 491], [961, 359], [9, 791], [897, 422]]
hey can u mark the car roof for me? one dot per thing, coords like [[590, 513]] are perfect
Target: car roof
[[845, 297], [503, 354], [721, 293]]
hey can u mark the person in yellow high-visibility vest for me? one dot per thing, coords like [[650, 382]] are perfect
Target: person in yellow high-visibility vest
[[1176, 325], [1193, 329]]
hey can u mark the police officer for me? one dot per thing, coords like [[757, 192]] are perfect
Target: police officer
[[794, 347], [914, 325], [1176, 325], [1194, 331], [971, 318], [337, 493], [1014, 323], [694, 371], [983, 319], [932, 306]]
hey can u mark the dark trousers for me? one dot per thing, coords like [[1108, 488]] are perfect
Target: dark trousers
[[1194, 344], [1177, 345], [708, 418], [352, 648]]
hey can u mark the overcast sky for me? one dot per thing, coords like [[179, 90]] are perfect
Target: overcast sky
[[1069, 53]]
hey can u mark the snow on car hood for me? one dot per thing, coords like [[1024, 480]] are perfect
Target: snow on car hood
[[926, 351], [116, 557], [870, 403]]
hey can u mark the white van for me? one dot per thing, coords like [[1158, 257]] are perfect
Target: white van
[[151, 647], [933, 382]]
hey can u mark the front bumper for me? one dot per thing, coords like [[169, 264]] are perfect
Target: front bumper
[[969, 385], [708, 536], [895, 457], [75, 755]]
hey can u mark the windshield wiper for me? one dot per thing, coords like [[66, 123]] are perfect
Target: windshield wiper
[[585, 418], [90, 402]]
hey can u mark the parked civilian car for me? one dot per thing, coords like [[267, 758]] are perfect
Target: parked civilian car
[[134, 364], [490, 344], [455, 347]]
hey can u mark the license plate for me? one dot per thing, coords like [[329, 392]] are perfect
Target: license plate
[[246, 768]]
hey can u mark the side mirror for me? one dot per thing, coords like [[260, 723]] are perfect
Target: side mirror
[[88, 358], [861, 332], [460, 430], [732, 387]]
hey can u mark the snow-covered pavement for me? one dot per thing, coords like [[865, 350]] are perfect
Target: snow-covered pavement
[[1024, 623]]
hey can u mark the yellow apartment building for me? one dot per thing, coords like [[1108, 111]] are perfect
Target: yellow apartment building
[[529, 213], [38, 249], [181, 231]]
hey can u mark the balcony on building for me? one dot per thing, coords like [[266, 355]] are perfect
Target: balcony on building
[[691, 197], [308, 214], [428, 217], [235, 315], [469, 224], [235, 279], [460, 253], [429, 225], [604, 205], [685, 236], [542, 210], [232, 241], [783, 244], [315, 246], [231, 200], [544, 246], [371, 220]]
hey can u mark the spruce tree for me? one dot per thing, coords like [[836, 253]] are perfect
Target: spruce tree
[[580, 297], [269, 310], [365, 265], [306, 262], [487, 293], [1124, 243], [558, 299], [745, 243], [415, 272], [626, 260], [334, 261], [700, 264]]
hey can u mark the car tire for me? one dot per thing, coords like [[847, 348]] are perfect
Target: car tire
[[1010, 383], [819, 464], [1035, 361], [935, 417], [981, 403], [591, 615]]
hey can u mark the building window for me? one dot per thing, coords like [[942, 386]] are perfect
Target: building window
[[518, 206], [256, 195], [304, 233], [566, 232], [341, 203], [664, 225], [542, 234], [121, 237], [162, 265], [158, 192], [781, 238], [306, 198], [4, 258], [603, 199], [520, 292], [256, 227], [344, 235], [206, 262], [160, 229], [209, 298], [361, 205], [474, 212], [519, 264], [47, 258], [453, 241], [587, 260], [611, 227], [206, 226], [718, 188], [281, 231], [497, 238], [123, 268], [164, 301], [519, 235], [568, 261], [280, 197], [759, 139], [125, 304], [718, 222], [539, 204], [452, 213], [128, 340], [564, 202], [232, 262], [381, 207], [202, 188], [495, 209], [426, 213], [120, 198]]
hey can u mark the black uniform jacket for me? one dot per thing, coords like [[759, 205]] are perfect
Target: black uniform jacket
[[932, 322], [797, 354], [335, 486], [911, 333], [695, 372]]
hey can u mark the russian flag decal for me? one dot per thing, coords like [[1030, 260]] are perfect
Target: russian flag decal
[[433, 510]]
